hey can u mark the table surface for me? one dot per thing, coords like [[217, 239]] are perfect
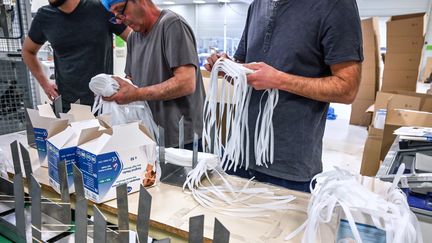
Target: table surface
[[172, 207]]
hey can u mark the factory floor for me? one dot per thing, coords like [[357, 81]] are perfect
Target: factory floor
[[343, 143]]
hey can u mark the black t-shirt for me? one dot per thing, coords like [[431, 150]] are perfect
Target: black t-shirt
[[82, 44], [303, 38]]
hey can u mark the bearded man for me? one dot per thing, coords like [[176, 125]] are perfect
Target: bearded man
[[80, 33]]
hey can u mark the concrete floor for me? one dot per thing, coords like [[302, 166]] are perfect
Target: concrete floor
[[343, 143]]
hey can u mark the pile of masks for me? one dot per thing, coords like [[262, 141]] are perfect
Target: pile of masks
[[103, 85], [340, 193]]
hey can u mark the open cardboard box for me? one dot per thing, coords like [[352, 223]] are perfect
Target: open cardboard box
[[403, 109], [107, 161], [45, 125], [63, 146]]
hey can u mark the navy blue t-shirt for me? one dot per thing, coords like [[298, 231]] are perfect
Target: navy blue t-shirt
[[82, 42], [302, 38]]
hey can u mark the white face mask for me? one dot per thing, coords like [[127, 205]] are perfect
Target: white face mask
[[235, 152], [339, 189], [103, 85]]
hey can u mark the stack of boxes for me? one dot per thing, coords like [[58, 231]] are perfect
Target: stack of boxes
[[370, 74], [405, 40]]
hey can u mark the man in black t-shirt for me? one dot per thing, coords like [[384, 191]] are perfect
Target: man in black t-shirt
[[80, 34], [311, 51]]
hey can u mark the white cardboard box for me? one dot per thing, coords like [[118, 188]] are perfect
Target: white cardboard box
[[62, 146], [111, 160], [45, 125]]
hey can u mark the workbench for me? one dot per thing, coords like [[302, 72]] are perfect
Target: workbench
[[172, 207]]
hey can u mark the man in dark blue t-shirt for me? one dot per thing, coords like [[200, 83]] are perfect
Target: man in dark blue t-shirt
[[312, 52], [80, 34]]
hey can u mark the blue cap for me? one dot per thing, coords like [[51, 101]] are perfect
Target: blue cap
[[108, 3]]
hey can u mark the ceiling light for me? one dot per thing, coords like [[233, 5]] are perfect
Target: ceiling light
[[199, 1], [168, 2]]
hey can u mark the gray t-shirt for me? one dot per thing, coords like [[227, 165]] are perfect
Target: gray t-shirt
[[151, 59], [302, 38]]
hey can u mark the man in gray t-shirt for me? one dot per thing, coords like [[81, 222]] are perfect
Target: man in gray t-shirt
[[163, 63]]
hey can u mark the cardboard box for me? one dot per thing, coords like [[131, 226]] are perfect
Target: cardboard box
[[394, 80], [45, 125], [369, 77], [371, 153], [379, 141], [63, 146], [402, 61], [359, 116], [405, 44], [407, 25], [108, 161], [366, 92]]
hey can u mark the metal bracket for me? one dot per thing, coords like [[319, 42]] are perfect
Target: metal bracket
[[122, 213], [16, 157], [58, 106], [100, 226], [195, 151], [181, 133], [196, 229], [143, 217], [220, 234], [81, 205]]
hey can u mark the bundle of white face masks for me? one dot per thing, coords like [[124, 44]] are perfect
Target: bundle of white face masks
[[103, 85], [229, 198], [235, 152], [339, 190]]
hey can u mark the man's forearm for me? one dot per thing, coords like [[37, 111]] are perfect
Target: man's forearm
[[167, 90], [35, 68], [326, 89]]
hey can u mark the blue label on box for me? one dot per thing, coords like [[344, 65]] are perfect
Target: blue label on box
[[99, 172], [368, 233], [40, 139], [55, 156]]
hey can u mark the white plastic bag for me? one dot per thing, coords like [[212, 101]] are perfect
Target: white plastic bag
[[103, 85]]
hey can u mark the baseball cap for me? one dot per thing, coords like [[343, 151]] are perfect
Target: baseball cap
[[108, 3]]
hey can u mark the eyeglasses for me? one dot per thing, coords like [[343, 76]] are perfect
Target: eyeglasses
[[119, 17]]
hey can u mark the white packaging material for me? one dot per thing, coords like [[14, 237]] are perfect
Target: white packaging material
[[103, 85], [380, 117], [111, 160], [62, 147], [375, 213]]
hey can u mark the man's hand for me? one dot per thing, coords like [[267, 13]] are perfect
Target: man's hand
[[127, 93], [50, 90], [212, 60], [263, 77]]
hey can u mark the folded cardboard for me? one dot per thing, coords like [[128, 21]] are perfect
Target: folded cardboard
[[78, 112], [394, 80], [359, 116], [371, 155], [380, 140], [45, 125], [406, 25], [366, 91], [405, 44], [402, 61], [369, 77], [62, 147], [111, 160]]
